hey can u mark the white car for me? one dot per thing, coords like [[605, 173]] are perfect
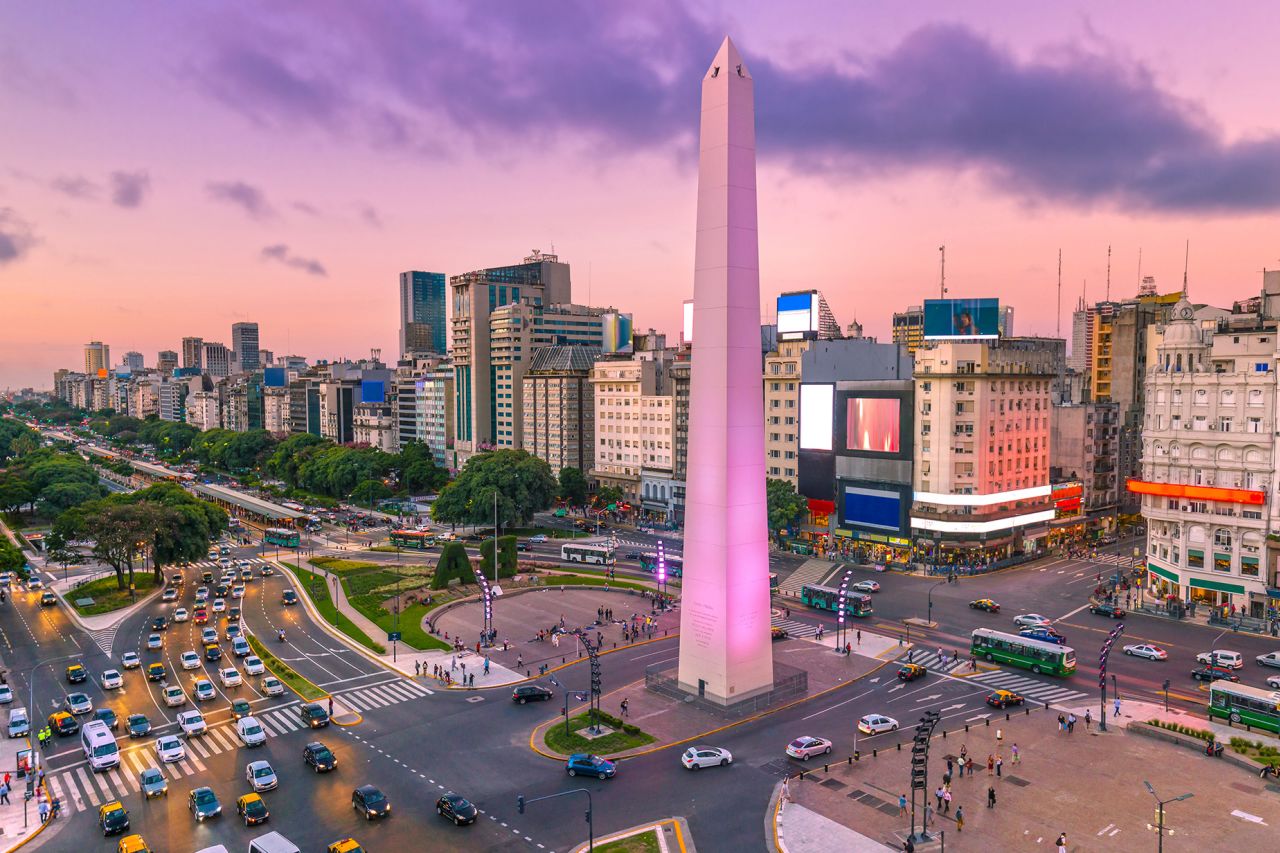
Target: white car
[[130, 660], [208, 635], [169, 749], [1222, 657], [230, 677], [192, 723], [806, 747], [240, 646], [254, 666], [237, 591], [34, 583], [259, 773], [6, 695], [78, 703], [1273, 681], [538, 538], [173, 696], [219, 605], [190, 660], [112, 680], [1146, 650], [169, 594], [1269, 659], [155, 641], [202, 595], [867, 586], [873, 724], [1032, 620], [272, 686], [250, 732], [203, 690], [696, 757], [181, 615]]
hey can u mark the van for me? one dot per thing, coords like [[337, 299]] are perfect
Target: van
[[19, 722], [217, 848], [99, 745], [272, 842]]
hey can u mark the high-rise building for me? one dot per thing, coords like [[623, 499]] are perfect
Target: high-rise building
[[423, 406], [634, 425], [782, 409], [908, 328], [204, 410], [217, 359], [266, 357], [558, 407], [275, 409], [423, 319], [133, 361], [244, 342], [167, 361], [97, 357], [193, 353]]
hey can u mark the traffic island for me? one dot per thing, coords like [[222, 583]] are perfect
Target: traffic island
[[615, 736], [666, 836], [281, 670]]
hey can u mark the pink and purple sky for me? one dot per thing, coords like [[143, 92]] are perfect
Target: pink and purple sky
[[167, 169]]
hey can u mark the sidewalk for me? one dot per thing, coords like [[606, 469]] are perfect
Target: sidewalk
[[15, 826]]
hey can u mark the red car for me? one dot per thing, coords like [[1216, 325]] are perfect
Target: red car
[[201, 616]]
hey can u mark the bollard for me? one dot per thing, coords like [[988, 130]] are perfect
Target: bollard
[[857, 756], [874, 752], [826, 768], [561, 660], [1006, 716], [615, 645], [850, 762], [1027, 711], [988, 722], [899, 747], [944, 734], [966, 727]]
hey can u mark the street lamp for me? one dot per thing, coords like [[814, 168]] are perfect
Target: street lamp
[[931, 589], [1160, 804]]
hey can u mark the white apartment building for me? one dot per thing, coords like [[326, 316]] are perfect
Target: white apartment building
[[204, 410], [375, 426], [635, 430], [782, 409], [423, 407], [275, 409]]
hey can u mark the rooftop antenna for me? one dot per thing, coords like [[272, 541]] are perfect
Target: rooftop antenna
[[1186, 264], [942, 282], [1059, 293], [1108, 272]]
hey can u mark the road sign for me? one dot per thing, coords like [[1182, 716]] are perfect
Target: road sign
[[393, 636]]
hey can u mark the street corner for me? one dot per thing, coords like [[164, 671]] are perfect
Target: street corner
[[668, 836], [342, 713]]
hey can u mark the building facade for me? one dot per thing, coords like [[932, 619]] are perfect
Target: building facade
[[134, 361], [374, 425], [244, 343], [782, 376], [167, 361], [558, 408], [97, 357], [193, 353], [217, 359], [423, 317], [908, 328]]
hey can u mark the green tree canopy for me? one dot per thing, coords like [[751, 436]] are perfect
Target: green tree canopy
[[786, 506], [370, 491], [15, 492], [10, 557], [12, 432], [573, 487], [60, 497], [523, 485]]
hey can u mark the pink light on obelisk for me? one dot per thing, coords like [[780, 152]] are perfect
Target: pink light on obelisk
[[725, 652]]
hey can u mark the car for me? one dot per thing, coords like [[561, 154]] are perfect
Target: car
[[1105, 609], [48, 599], [173, 696], [246, 574], [190, 660], [1223, 658], [230, 677], [233, 614], [159, 624], [240, 708], [586, 764], [1032, 620], [155, 641], [208, 635], [203, 803], [192, 723], [155, 671], [458, 809], [867, 586], [78, 703], [1214, 673], [345, 845], [130, 660], [76, 673], [112, 679], [203, 690], [6, 695], [288, 597], [985, 604], [177, 578], [253, 665], [113, 818], [219, 605], [202, 595], [1269, 659], [531, 693], [213, 652], [1004, 699], [1273, 681], [912, 671], [252, 809], [259, 774], [266, 571], [240, 646], [220, 594], [133, 844], [313, 715], [1146, 650], [873, 724], [777, 632], [138, 725], [319, 757], [153, 782], [34, 583], [808, 746], [272, 686], [63, 724], [201, 616], [370, 802], [696, 757], [233, 632], [538, 538], [237, 591], [250, 732], [1043, 633], [169, 594], [181, 615], [108, 716]]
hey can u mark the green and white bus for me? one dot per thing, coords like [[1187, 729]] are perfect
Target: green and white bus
[[1035, 655], [598, 555], [1241, 703], [281, 536], [828, 598]]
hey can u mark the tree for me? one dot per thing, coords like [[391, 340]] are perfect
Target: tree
[[453, 563], [15, 493], [573, 487], [12, 433], [61, 497], [522, 483], [369, 491], [785, 505], [607, 495], [11, 559]]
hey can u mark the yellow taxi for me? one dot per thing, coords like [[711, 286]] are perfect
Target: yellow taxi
[[63, 724], [777, 632], [155, 672], [76, 673], [346, 845], [253, 809], [113, 818], [985, 604], [1003, 699], [132, 844], [911, 671]]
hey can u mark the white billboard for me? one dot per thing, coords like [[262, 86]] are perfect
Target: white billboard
[[817, 417]]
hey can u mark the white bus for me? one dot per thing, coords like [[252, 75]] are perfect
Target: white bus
[[99, 745], [598, 555]]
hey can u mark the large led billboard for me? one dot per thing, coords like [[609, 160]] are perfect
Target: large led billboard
[[879, 509], [797, 315], [373, 391], [817, 422], [872, 424], [686, 334], [617, 332], [958, 319], [274, 377]]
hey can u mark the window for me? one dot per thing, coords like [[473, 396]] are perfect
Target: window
[[1222, 538], [1195, 558]]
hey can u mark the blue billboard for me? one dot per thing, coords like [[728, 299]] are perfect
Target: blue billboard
[[798, 315], [878, 509], [373, 391], [274, 377], [960, 319]]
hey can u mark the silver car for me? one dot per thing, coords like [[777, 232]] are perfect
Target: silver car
[[260, 775]]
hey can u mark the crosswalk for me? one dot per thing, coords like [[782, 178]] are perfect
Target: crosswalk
[[105, 638], [214, 564], [381, 695], [794, 628], [1123, 560], [1030, 687], [931, 661]]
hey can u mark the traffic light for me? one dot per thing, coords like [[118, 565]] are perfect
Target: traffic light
[[1166, 685], [520, 804]]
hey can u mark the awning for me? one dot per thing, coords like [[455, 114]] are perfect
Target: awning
[[1164, 573], [1217, 586]]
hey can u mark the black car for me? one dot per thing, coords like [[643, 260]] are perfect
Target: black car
[[530, 693], [139, 725], [107, 716], [319, 756], [212, 652], [1107, 610], [370, 802], [113, 818], [632, 555], [220, 591], [266, 571], [289, 597], [203, 803], [523, 546], [1214, 673], [460, 810], [159, 623], [313, 715]]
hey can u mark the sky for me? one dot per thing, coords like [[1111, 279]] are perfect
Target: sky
[[168, 169]]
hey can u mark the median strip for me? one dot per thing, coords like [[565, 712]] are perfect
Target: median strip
[[297, 683]]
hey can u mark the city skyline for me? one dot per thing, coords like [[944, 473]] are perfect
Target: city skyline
[[285, 199]]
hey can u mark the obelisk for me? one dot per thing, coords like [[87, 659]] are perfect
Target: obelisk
[[725, 650]]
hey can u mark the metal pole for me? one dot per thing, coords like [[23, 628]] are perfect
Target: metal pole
[[1160, 828]]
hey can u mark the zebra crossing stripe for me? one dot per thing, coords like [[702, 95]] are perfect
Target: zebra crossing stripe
[[221, 739], [87, 787], [171, 767], [56, 789]]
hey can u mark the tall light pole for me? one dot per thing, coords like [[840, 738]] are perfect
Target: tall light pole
[[929, 618], [1160, 804]]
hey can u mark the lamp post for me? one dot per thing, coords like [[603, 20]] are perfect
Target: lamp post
[[1160, 804], [929, 619]]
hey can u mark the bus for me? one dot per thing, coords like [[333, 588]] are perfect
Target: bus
[[599, 555], [293, 505], [1035, 655], [281, 536], [828, 598], [99, 745], [416, 539], [1241, 703], [649, 562]]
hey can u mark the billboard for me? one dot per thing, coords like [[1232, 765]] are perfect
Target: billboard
[[373, 391], [274, 377], [797, 315], [872, 424], [686, 334], [879, 509], [817, 423], [959, 319], [617, 332]]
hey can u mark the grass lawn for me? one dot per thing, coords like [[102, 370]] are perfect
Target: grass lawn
[[1257, 750], [107, 596], [386, 549], [368, 590], [582, 580], [340, 566], [620, 741], [317, 589], [285, 673], [643, 842]]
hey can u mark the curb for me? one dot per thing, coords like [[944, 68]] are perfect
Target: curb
[[125, 613], [41, 827], [773, 820], [679, 825]]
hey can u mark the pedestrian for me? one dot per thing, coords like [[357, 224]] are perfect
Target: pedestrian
[[902, 805], [911, 653], [463, 666], [44, 811], [1062, 843], [1117, 707], [417, 668], [453, 664], [938, 793], [964, 750], [946, 800], [472, 676], [949, 766], [1071, 724], [626, 707], [999, 736], [960, 821], [999, 765], [991, 798], [960, 762], [7, 778], [908, 846], [859, 636], [486, 665], [519, 662], [1017, 756], [330, 706], [848, 649], [1062, 723], [4, 793], [942, 657], [991, 764]]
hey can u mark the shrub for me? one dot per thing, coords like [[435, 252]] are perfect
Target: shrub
[[454, 563]]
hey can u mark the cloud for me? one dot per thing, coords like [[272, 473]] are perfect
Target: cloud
[[75, 186], [371, 217], [245, 196], [280, 252], [1078, 124], [129, 188], [306, 207], [16, 236]]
